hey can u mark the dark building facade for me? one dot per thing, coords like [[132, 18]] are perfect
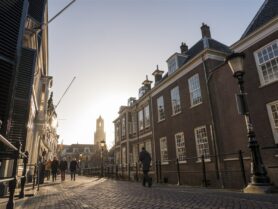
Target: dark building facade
[[193, 110]]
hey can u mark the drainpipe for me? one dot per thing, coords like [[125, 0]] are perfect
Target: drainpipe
[[212, 127], [153, 139]]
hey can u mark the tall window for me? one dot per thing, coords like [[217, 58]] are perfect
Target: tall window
[[202, 145], [117, 131], [195, 90], [272, 109], [147, 116], [148, 146], [180, 147], [135, 153], [172, 65], [123, 155], [123, 126], [140, 118], [163, 150], [175, 98], [42, 103], [134, 123], [160, 108], [267, 62]]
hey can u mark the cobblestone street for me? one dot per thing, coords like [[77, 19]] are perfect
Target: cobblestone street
[[87, 193]]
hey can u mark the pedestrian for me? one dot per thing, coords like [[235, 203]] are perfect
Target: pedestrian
[[73, 168], [145, 159], [63, 168], [54, 168], [48, 169]]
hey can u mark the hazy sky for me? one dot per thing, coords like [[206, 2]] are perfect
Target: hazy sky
[[111, 45]]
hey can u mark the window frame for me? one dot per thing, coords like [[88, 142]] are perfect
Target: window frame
[[259, 65], [141, 121], [163, 161], [178, 101], [201, 152], [177, 152], [192, 91], [146, 125], [160, 113], [272, 120]]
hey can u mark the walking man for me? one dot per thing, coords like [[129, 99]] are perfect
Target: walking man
[[63, 168], [146, 159], [73, 168], [54, 168]]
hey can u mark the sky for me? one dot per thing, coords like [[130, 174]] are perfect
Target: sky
[[111, 45]]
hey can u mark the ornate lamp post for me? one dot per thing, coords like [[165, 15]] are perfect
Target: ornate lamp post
[[260, 182], [102, 144]]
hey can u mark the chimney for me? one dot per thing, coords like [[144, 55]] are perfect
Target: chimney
[[205, 31], [184, 48], [157, 75]]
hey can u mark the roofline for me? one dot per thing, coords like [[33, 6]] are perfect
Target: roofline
[[253, 20], [255, 33]]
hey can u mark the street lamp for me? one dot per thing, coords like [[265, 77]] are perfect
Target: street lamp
[[102, 144], [260, 182]]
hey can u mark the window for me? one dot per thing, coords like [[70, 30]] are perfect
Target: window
[[135, 153], [134, 123], [202, 145], [123, 126], [140, 118], [172, 65], [148, 147], [147, 116], [117, 125], [272, 109], [195, 90], [180, 147], [267, 62], [175, 98], [160, 108], [42, 104], [123, 155], [163, 150]]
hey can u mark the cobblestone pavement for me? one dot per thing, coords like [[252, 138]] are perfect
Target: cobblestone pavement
[[93, 193]]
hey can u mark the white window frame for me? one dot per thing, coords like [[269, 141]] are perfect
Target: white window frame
[[160, 112], [163, 149], [141, 120], [202, 143], [147, 119], [172, 65], [274, 126], [123, 121], [181, 155], [176, 102], [195, 89], [263, 60]]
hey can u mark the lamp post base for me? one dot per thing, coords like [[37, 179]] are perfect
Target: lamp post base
[[260, 188]]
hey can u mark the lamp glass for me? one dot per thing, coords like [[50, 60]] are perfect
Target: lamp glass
[[236, 64], [102, 143]]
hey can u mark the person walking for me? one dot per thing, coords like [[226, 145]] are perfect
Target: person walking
[[48, 169], [73, 168], [145, 159], [54, 168], [63, 168]]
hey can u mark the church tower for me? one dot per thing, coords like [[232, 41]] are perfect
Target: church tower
[[99, 134]]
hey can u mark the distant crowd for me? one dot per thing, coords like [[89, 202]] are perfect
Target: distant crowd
[[55, 167]]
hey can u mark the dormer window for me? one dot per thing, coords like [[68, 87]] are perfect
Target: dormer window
[[172, 65]]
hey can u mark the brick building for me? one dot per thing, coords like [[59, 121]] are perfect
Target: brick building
[[191, 110]]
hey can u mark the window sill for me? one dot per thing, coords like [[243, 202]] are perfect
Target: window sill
[[182, 162], [192, 106], [164, 163], [176, 114], [161, 120], [268, 84], [206, 160]]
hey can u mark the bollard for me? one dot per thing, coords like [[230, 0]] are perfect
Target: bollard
[[117, 171], [242, 169], [160, 171], [204, 171], [178, 172], [23, 180], [137, 177], [156, 171], [129, 171]]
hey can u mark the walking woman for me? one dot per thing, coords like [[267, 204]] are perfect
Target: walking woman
[[63, 168], [54, 168]]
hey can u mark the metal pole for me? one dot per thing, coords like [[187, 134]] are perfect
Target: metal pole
[[178, 172], [23, 180], [129, 171], [242, 169], [137, 177], [204, 171], [160, 171], [157, 174]]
